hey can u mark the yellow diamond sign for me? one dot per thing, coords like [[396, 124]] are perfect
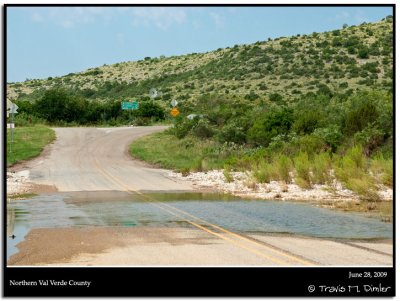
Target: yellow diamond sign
[[174, 112]]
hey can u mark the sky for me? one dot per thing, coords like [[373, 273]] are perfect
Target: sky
[[54, 41]]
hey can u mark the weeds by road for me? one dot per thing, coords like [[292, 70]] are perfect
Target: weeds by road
[[367, 179], [28, 142]]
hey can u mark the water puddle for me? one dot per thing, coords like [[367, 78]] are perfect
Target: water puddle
[[115, 208]]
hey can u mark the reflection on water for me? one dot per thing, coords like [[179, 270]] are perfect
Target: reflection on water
[[80, 209], [17, 227]]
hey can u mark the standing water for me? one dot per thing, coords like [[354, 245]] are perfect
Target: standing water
[[81, 209]]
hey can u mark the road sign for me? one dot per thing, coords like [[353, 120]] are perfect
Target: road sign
[[125, 105], [153, 93], [11, 108], [14, 108], [174, 112], [10, 125], [174, 103]]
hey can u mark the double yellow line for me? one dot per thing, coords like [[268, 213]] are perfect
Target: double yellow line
[[234, 238]]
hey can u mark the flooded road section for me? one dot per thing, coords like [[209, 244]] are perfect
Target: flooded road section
[[164, 210]]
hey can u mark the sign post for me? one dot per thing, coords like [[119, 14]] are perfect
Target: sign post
[[11, 108], [130, 105], [126, 105], [174, 103], [175, 112]]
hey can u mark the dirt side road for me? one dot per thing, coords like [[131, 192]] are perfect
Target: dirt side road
[[96, 159]]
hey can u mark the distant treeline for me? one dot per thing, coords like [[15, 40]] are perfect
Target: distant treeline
[[62, 107]]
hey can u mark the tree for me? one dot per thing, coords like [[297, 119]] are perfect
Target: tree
[[360, 117], [59, 105], [363, 53], [149, 109], [270, 124]]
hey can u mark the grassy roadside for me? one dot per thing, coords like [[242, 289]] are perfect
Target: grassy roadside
[[352, 169], [28, 142], [184, 155]]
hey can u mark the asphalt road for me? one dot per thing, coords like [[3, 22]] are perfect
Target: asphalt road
[[97, 159], [90, 159]]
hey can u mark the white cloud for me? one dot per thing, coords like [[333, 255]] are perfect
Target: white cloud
[[69, 17], [219, 20], [160, 17], [357, 17], [37, 17]]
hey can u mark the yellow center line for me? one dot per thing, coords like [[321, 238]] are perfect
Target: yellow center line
[[245, 238], [153, 202], [276, 260]]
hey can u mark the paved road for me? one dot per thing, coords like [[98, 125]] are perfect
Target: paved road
[[90, 159], [97, 159]]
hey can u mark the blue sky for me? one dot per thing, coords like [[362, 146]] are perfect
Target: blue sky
[[54, 41]]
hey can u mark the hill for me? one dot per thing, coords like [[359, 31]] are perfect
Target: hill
[[307, 110], [344, 60]]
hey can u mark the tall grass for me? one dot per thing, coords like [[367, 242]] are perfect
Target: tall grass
[[383, 169], [321, 167], [227, 174], [277, 169], [263, 172], [351, 170], [302, 165], [284, 166]]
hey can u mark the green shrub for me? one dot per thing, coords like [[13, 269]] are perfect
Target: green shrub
[[234, 131], [364, 187], [262, 172], [360, 117], [228, 176], [310, 144], [363, 53], [355, 156], [370, 138], [284, 166], [25, 120], [270, 124], [383, 169], [203, 129], [307, 121], [183, 126], [352, 171], [321, 167], [302, 183], [150, 109], [303, 167], [331, 135]]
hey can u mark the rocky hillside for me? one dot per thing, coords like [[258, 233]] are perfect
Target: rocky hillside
[[351, 58]]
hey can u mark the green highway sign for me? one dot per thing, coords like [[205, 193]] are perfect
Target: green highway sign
[[125, 105]]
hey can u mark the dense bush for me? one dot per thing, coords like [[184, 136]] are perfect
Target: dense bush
[[359, 117], [270, 124], [150, 109], [58, 105]]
